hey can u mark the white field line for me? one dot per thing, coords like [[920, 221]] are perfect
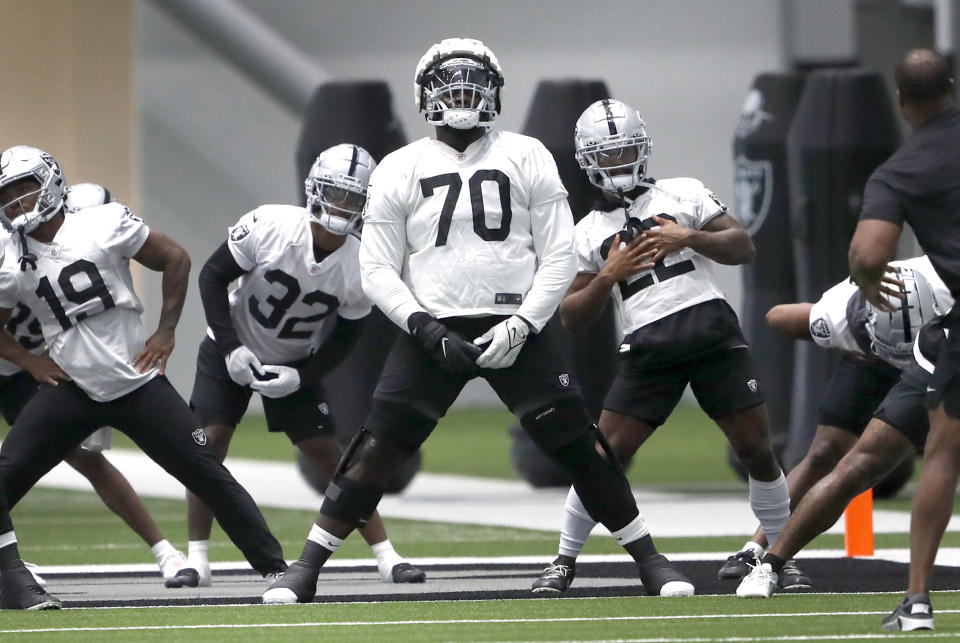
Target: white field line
[[478, 621], [736, 639]]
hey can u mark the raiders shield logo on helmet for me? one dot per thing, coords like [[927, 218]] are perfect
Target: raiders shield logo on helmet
[[752, 192], [199, 436]]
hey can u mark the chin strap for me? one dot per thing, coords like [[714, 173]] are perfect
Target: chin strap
[[27, 258]]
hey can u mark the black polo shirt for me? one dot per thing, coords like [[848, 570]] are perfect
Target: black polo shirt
[[920, 184]]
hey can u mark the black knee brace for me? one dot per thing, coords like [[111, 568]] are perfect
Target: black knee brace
[[557, 423], [598, 479], [351, 501], [400, 423]]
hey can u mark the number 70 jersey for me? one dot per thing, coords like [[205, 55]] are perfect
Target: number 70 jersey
[[681, 279], [460, 223]]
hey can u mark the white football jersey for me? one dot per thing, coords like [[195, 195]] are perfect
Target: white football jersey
[[680, 280], [483, 232], [82, 293], [280, 305], [829, 326], [25, 328]]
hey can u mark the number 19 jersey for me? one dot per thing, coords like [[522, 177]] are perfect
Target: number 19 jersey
[[280, 305], [82, 293], [682, 279]]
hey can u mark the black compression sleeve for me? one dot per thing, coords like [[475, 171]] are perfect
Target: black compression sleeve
[[215, 276], [333, 350]]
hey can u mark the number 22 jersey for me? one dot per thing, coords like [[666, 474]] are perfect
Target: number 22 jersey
[[82, 293]]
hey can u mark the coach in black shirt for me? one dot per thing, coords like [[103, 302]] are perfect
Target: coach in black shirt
[[920, 184]]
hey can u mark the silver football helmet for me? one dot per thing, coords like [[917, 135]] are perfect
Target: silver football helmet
[[612, 145], [86, 195], [892, 334], [22, 210], [337, 187], [457, 84]]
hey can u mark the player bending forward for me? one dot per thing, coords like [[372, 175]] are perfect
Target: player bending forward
[[298, 270]]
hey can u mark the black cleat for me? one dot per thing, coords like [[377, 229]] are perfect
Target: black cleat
[[792, 579], [185, 577], [914, 613], [659, 578], [555, 579], [298, 585], [20, 591], [738, 565], [407, 573]]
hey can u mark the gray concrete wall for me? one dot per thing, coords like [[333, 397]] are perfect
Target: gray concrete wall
[[214, 146]]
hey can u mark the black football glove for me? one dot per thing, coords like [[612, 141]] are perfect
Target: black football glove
[[454, 353]]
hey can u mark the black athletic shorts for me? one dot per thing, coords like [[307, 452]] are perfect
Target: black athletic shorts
[[904, 407], [944, 385], [217, 399], [15, 391], [857, 388], [412, 377], [723, 381]]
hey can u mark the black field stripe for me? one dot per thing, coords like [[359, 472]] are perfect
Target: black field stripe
[[610, 123], [353, 161]]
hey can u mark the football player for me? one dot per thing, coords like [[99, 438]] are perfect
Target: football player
[[74, 274], [299, 271], [18, 386], [468, 247], [873, 414], [650, 246]]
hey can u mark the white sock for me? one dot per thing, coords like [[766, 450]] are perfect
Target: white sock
[[576, 527], [636, 530], [754, 547], [197, 551], [162, 548], [386, 554], [7, 539], [770, 502], [324, 538]]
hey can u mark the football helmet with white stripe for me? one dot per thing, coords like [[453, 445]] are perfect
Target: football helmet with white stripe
[[337, 187]]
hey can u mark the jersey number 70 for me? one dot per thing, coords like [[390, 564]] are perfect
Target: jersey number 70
[[454, 183]]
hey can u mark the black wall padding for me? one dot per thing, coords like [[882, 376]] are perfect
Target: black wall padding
[[556, 106], [360, 113], [762, 204], [843, 129]]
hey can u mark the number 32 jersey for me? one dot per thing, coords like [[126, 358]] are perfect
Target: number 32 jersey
[[279, 306], [682, 279], [82, 293]]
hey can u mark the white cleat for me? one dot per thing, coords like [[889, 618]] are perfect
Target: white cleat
[[279, 596], [171, 563], [677, 588], [759, 583]]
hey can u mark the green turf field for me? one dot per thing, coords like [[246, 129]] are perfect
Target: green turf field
[[64, 527], [657, 620]]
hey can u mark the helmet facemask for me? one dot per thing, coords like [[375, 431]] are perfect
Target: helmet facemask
[[460, 92]]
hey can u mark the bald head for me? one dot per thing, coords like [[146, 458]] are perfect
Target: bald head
[[923, 76]]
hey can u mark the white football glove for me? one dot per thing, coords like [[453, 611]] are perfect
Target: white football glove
[[240, 361], [287, 381], [506, 339]]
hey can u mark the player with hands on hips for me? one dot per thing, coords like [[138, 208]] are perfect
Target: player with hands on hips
[[649, 245], [468, 247], [298, 276], [74, 274]]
